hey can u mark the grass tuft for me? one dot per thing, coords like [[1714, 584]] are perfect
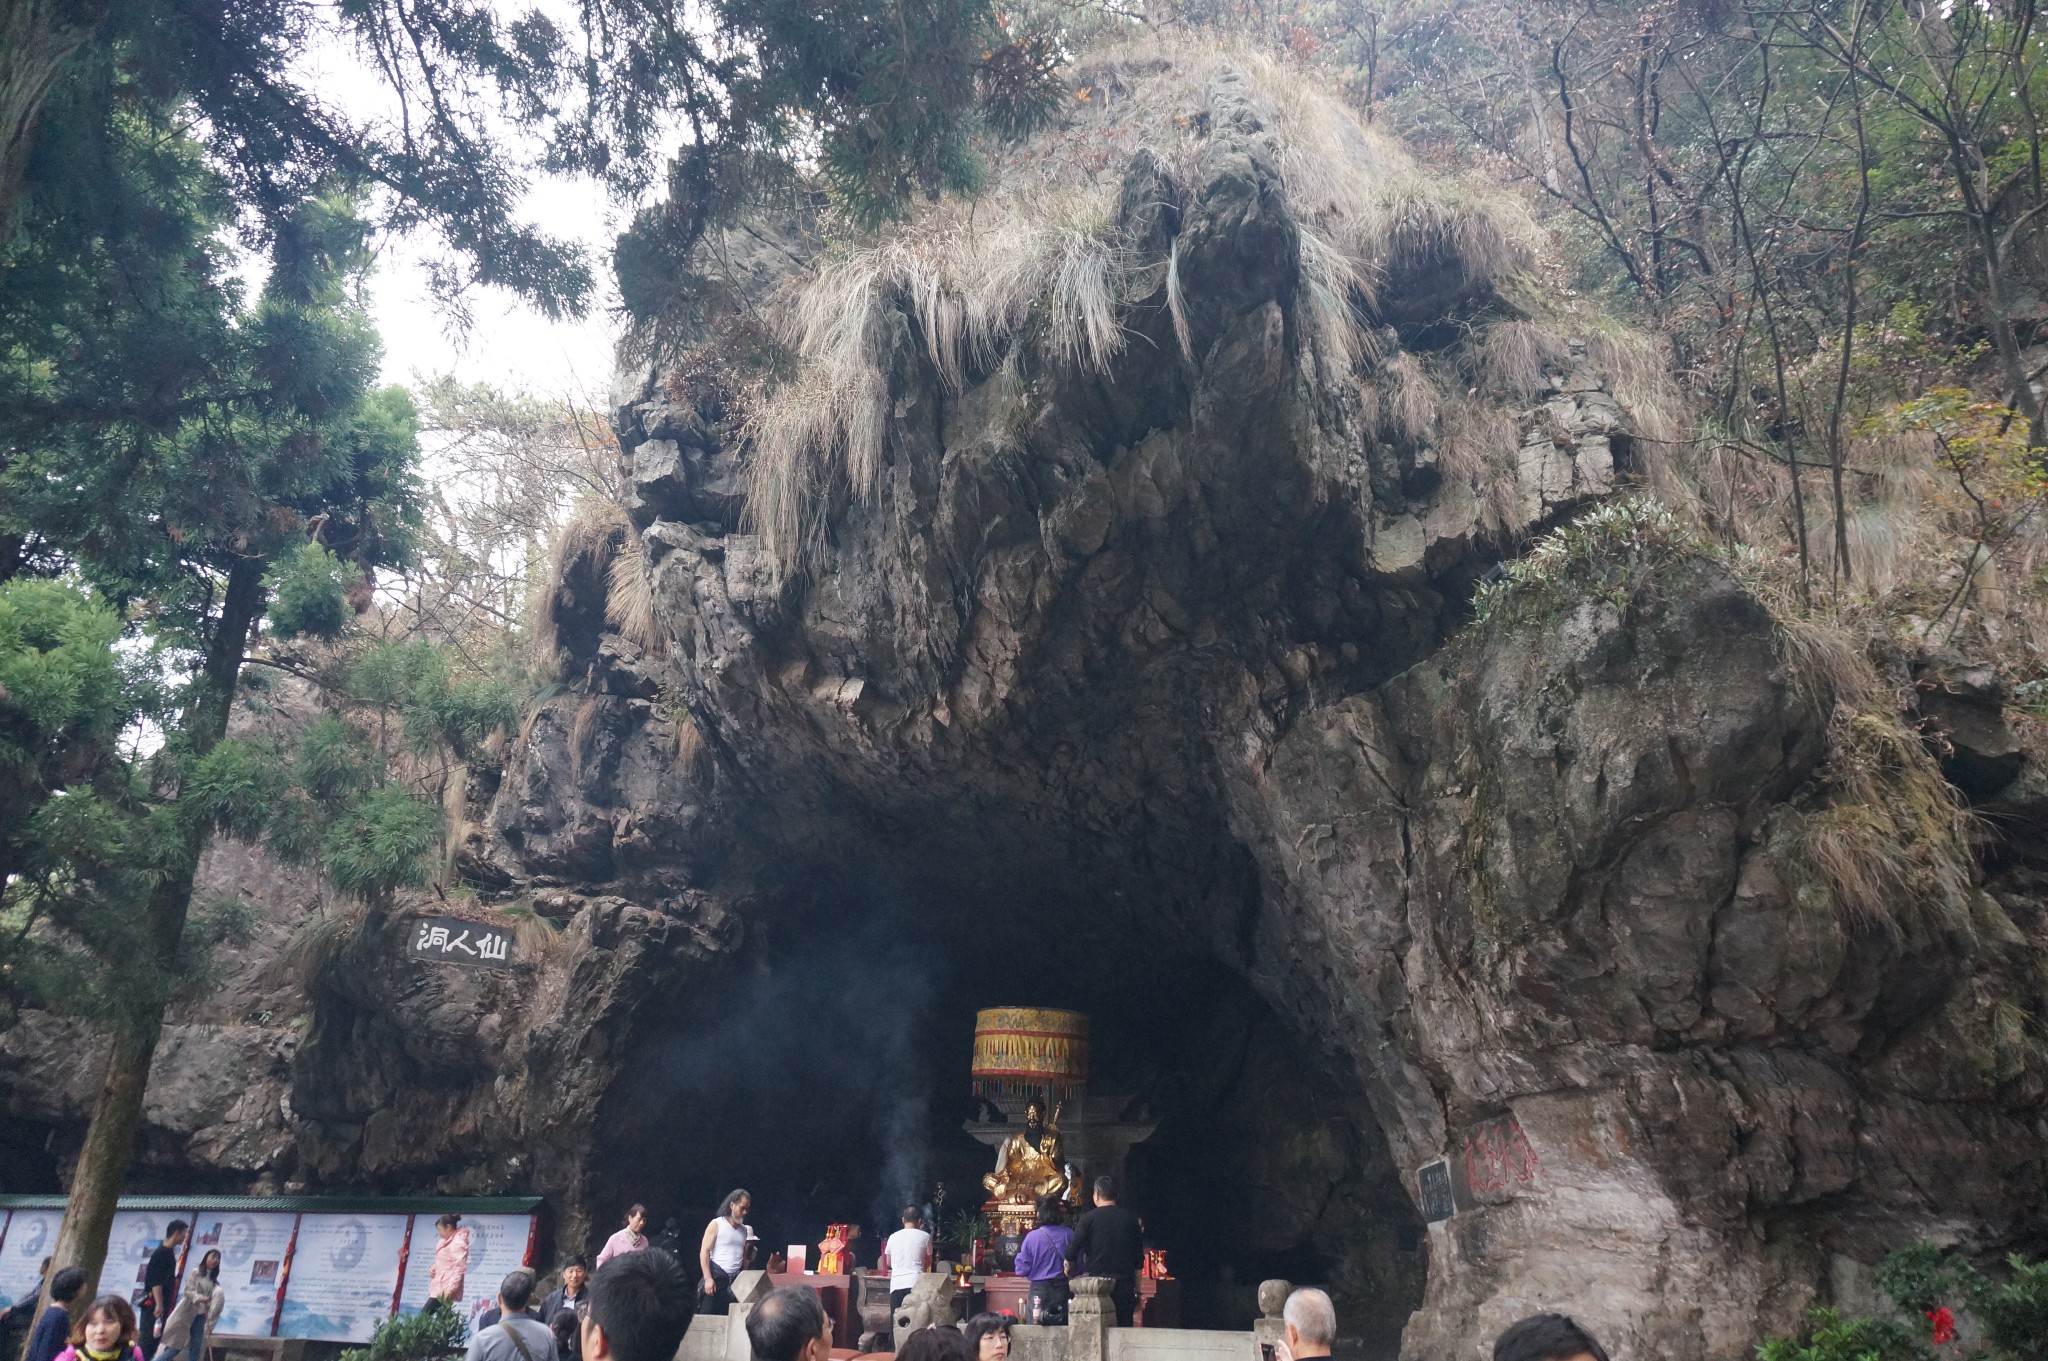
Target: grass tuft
[[629, 597], [1518, 358], [1892, 842]]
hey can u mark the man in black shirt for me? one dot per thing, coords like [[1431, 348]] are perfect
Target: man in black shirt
[[1110, 1242], [159, 1284]]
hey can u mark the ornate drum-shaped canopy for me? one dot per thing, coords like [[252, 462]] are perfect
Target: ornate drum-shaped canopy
[[1023, 1052]]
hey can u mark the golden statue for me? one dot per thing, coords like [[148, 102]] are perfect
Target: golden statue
[[1028, 1164]]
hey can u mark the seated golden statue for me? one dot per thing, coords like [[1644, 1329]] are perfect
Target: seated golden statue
[[1028, 1164]]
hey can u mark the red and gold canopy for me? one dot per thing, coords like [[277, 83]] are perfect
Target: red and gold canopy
[[1022, 1052]]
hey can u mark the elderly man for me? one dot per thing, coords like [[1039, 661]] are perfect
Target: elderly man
[[790, 1324], [517, 1335], [1308, 1325]]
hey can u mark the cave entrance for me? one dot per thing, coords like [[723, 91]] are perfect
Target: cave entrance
[[826, 1070]]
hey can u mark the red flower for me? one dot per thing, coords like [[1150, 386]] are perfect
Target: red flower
[[1944, 1325]]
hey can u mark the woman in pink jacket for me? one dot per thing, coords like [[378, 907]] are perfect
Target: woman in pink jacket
[[628, 1239], [451, 1261]]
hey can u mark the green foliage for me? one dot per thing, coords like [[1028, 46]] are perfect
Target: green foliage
[[891, 95], [59, 678], [1834, 1338], [417, 679], [1934, 1284], [2014, 1315], [435, 1331], [309, 593], [234, 787], [334, 763], [171, 454], [1021, 89], [380, 842], [961, 1229], [1600, 555]]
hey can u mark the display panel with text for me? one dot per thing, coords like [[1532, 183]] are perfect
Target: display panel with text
[[497, 1243], [344, 1273], [252, 1253], [31, 1236], [133, 1238]]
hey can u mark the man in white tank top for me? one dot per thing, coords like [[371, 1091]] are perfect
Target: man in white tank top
[[723, 1252]]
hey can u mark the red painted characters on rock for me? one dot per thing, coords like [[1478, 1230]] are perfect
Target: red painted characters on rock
[[1498, 1159]]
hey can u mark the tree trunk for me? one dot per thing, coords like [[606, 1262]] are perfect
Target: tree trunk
[[103, 1162], [110, 1137], [36, 37]]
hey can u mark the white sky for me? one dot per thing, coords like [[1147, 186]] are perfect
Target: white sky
[[509, 345]]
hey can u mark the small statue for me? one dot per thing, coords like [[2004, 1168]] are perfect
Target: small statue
[[1028, 1164]]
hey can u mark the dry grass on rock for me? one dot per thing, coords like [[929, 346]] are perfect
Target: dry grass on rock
[[1037, 260]]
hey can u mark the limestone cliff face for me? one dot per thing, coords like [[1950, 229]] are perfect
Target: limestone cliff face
[[1176, 659], [1536, 890]]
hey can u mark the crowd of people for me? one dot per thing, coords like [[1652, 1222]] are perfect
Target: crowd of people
[[790, 1324], [638, 1302]]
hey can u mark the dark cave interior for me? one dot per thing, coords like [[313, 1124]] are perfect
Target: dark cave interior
[[827, 1072]]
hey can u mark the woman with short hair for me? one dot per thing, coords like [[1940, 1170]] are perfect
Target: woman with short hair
[[104, 1332], [1042, 1260], [988, 1337]]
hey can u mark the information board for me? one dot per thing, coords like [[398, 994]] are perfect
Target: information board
[[31, 1235], [252, 1252], [134, 1236], [344, 1272], [497, 1244]]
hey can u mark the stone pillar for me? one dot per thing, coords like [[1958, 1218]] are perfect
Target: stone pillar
[[747, 1289], [1090, 1316], [1270, 1327]]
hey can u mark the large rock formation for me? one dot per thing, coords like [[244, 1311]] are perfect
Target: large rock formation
[[1173, 664]]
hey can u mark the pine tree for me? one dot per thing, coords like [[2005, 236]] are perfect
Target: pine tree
[[168, 453]]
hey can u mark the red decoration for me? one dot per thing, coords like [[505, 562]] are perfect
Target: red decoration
[[1944, 1325]]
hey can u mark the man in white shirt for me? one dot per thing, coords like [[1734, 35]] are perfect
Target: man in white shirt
[[723, 1252], [910, 1256]]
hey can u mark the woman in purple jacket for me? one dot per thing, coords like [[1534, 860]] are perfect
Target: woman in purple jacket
[[1042, 1260]]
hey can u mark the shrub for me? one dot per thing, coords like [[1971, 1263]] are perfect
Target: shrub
[[1830, 1337], [433, 1332], [1600, 554], [1932, 1284]]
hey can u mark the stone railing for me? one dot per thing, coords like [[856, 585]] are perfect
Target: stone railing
[[1090, 1334]]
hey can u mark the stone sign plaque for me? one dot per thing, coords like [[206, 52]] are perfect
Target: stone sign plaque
[[1434, 1181], [451, 940]]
